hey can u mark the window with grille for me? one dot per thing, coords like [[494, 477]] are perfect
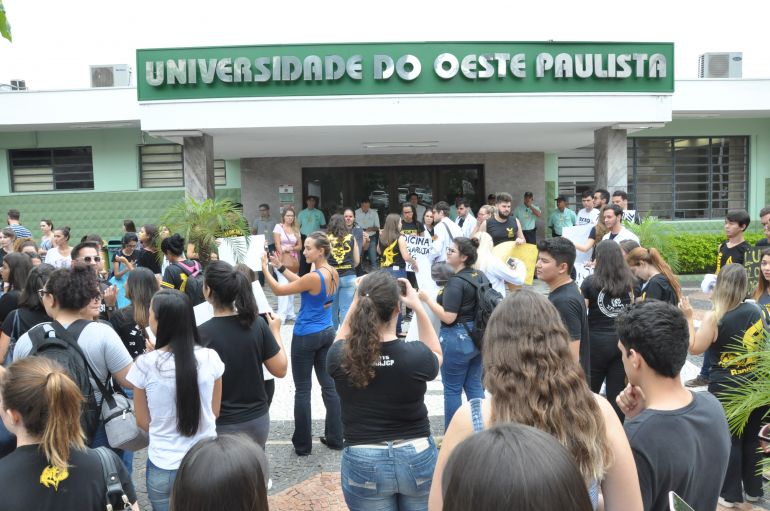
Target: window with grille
[[688, 178], [162, 166], [47, 170]]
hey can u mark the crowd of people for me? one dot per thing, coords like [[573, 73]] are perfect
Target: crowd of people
[[573, 400]]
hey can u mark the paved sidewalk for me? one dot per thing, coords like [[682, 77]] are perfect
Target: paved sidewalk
[[312, 482]]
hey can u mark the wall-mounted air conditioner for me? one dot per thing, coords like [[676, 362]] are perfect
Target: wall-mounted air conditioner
[[720, 65], [113, 75]]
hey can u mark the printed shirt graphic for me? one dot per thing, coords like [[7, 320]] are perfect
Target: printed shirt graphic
[[52, 476], [561, 219], [341, 256], [391, 256], [585, 217], [729, 255], [741, 331]]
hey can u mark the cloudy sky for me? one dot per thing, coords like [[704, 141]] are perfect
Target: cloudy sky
[[56, 41]]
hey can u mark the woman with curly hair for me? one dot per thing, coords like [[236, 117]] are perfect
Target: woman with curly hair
[[534, 380], [381, 381]]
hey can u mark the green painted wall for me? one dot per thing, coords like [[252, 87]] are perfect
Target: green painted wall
[[758, 131]]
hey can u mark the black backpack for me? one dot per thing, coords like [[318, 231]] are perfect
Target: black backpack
[[52, 340], [192, 281], [487, 298]]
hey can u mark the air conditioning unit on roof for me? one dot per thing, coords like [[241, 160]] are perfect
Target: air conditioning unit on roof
[[113, 75], [720, 65]]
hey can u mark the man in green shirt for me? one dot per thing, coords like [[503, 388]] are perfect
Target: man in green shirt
[[527, 214], [310, 220], [562, 217]]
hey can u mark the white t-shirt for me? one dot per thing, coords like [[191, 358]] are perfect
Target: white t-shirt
[[468, 225], [105, 352], [55, 259], [587, 217], [155, 373], [443, 241], [624, 234]]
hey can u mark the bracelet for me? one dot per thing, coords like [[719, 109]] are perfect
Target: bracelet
[[281, 269]]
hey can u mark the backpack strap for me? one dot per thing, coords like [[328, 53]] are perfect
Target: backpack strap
[[477, 287], [111, 478], [190, 271], [451, 238]]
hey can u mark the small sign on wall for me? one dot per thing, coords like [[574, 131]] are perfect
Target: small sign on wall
[[286, 194]]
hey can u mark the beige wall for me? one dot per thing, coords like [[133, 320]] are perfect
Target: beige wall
[[514, 173]]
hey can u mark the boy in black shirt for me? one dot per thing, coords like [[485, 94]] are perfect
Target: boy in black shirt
[[764, 218], [554, 264], [733, 250], [679, 438]]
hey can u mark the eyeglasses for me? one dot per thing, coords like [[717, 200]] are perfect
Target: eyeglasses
[[42, 292], [89, 259]]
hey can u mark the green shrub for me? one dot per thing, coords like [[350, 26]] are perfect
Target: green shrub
[[698, 252]]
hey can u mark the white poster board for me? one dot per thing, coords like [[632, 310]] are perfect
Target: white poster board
[[578, 234], [426, 284], [204, 311], [418, 245], [259, 294], [230, 248]]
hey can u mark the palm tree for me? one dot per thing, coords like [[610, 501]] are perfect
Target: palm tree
[[654, 233], [201, 223]]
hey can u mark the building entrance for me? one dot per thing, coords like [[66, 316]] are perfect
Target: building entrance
[[389, 187]]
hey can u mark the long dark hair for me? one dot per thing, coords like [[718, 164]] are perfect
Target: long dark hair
[[612, 273], [377, 300], [177, 330], [38, 276], [225, 472], [337, 227], [513, 466], [141, 286], [231, 289], [19, 265], [762, 283]]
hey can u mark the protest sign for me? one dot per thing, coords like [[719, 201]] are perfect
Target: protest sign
[[418, 245]]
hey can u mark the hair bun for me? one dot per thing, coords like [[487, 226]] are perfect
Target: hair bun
[[475, 242]]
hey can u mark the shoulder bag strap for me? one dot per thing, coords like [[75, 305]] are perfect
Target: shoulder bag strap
[[476, 286], [451, 238], [111, 479]]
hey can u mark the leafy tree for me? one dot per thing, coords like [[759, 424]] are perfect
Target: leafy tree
[[654, 233], [5, 27]]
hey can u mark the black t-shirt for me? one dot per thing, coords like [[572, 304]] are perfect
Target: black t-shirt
[[741, 325], [602, 310], [413, 227], [762, 243], [28, 482], [684, 450], [341, 255], [392, 405], [572, 308], [459, 295], [502, 231], [27, 319], [243, 350], [131, 258], [391, 255], [728, 255], [659, 288], [130, 333], [149, 260], [172, 277], [8, 302]]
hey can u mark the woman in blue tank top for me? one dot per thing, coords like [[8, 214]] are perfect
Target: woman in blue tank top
[[312, 337]]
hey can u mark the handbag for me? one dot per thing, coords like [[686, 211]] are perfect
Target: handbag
[[289, 261], [115, 495], [117, 415]]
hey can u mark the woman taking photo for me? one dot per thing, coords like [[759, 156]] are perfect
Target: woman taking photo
[[51, 468], [123, 262], [534, 380], [455, 307], [608, 292], [658, 281], [177, 390], [393, 252], [244, 341], [313, 336], [733, 325], [58, 256], [16, 266], [288, 244], [345, 256], [381, 381]]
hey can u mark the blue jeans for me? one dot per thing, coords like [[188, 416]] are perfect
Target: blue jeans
[[461, 368], [391, 478], [159, 484], [372, 250], [705, 369], [398, 274], [308, 352], [342, 299]]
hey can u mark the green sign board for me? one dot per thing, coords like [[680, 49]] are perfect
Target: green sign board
[[404, 68]]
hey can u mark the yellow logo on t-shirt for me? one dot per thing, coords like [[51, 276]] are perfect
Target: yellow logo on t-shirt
[[389, 254], [509, 230], [341, 248], [52, 476]]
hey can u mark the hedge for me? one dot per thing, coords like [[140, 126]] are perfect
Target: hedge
[[698, 252]]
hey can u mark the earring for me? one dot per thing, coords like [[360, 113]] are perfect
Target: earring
[[636, 366]]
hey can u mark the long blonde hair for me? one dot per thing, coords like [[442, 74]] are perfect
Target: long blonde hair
[[49, 402], [729, 291], [484, 252], [533, 379], [652, 257], [294, 226]]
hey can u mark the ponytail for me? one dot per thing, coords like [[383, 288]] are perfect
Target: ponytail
[[377, 300], [245, 303], [49, 403], [231, 289]]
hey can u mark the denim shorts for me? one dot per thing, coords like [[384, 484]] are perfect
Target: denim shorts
[[392, 477]]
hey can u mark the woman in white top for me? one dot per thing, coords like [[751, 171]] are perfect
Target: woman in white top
[[177, 391], [58, 256], [287, 239], [497, 271]]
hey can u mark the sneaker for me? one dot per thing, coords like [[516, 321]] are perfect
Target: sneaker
[[269, 484], [698, 381], [749, 498], [725, 503]]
